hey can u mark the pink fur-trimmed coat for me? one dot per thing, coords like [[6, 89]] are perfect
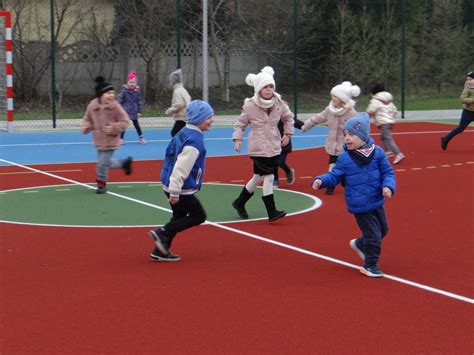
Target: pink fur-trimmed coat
[[98, 116], [335, 123], [264, 139]]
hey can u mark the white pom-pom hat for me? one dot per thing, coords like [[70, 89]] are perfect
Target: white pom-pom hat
[[345, 91], [262, 79]]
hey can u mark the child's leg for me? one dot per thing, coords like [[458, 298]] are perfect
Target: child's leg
[[103, 164], [387, 139], [466, 118], [373, 226], [187, 213], [282, 162], [177, 127], [138, 128], [252, 184]]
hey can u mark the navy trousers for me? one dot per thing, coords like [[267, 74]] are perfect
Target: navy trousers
[[466, 118], [374, 228]]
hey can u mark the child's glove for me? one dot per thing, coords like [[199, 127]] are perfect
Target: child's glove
[[237, 145], [316, 184]]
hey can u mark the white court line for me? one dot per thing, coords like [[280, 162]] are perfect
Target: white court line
[[266, 240], [296, 136]]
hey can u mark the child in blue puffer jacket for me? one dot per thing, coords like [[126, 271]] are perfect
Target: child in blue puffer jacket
[[131, 100], [369, 178]]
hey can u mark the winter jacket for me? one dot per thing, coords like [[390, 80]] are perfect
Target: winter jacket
[[184, 164], [98, 116], [264, 138], [363, 183], [132, 101], [179, 103], [467, 98], [382, 109], [335, 123]]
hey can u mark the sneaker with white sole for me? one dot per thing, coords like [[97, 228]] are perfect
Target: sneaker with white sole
[[398, 158], [142, 140], [157, 255], [371, 271], [353, 244], [160, 245]]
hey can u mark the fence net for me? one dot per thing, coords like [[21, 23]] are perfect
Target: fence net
[[420, 50]]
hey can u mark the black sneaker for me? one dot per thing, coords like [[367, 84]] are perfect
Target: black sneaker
[[127, 165], [290, 177], [157, 255], [155, 235], [371, 271], [444, 142]]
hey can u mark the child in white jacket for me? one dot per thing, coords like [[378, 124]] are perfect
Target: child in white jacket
[[383, 111]]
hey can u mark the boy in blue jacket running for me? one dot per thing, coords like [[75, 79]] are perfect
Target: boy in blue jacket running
[[369, 178], [182, 175]]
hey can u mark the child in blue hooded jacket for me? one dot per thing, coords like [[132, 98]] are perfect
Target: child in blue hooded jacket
[[182, 175], [369, 178]]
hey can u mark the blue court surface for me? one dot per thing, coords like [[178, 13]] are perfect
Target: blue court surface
[[73, 147]]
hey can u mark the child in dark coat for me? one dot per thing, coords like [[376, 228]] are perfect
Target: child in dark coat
[[131, 100], [369, 178]]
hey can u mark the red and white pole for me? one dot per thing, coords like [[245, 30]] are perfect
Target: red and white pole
[[8, 67]]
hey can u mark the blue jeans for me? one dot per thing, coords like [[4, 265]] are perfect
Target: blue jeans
[[105, 162], [374, 228]]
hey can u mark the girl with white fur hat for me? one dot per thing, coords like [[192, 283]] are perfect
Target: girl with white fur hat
[[262, 112], [340, 109]]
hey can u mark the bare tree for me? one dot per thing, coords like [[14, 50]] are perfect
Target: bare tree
[[147, 25]]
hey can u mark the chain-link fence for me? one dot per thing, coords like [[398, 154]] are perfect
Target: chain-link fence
[[419, 49]]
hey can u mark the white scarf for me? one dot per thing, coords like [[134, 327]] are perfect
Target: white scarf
[[339, 111], [264, 103]]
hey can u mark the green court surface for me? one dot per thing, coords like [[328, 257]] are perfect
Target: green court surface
[[131, 204]]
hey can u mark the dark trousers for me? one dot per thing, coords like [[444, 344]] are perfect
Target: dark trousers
[[187, 213], [137, 127], [374, 228], [282, 164], [177, 127], [466, 118]]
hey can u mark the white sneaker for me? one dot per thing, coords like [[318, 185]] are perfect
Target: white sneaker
[[398, 158], [354, 247]]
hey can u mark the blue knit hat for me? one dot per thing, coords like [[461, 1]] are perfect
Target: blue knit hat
[[359, 125], [198, 111]]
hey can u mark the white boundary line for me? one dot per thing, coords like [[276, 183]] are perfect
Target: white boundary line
[[317, 203], [270, 241]]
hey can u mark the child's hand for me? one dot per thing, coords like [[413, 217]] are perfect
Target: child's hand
[[285, 140], [237, 145], [108, 129], [304, 128], [387, 192], [173, 200], [316, 184]]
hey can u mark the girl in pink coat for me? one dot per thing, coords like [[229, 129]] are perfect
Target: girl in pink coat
[[106, 119], [262, 112], [340, 109]]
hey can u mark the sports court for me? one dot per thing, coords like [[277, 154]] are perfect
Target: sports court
[[76, 276]]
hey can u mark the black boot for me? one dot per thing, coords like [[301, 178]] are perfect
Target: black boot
[[273, 214], [444, 142], [239, 203], [101, 187]]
